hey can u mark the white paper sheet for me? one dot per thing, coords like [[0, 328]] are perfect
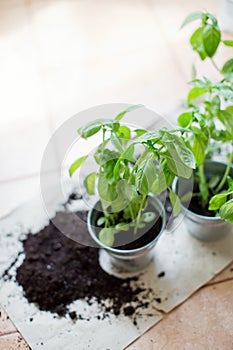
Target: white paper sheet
[[186, 262]]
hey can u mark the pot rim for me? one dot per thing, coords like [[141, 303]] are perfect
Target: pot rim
[[190, 212], [162, 213]]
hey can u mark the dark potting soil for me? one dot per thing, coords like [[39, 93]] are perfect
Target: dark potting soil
[[57, 271], [139, 240], [131, 240], [196, 207]]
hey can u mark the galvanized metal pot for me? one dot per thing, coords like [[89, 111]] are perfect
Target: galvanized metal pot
[[133, 260], [205, 228]]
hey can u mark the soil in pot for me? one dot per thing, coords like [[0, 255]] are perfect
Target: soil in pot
[[126, 240], [196, 207]]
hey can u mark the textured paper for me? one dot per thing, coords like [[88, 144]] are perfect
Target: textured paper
[[187, 265]]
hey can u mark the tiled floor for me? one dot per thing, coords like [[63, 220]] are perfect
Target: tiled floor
[[60, 57]]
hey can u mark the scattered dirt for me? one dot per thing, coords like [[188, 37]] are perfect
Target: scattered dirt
[[161, 274], [56, 271]]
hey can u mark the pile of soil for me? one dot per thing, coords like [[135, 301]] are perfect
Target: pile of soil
[[57, 271]]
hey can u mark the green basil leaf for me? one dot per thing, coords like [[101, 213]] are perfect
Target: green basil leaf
[[116, 142], [140, 132], [124, 194], [148, 216], [148, 136], [199, 148], [101, 221], [185, 154], [196, 92], [228, 67], [99, 153], [124, 132], [160, 182], [118, 204], [122, 226], [75, 165], [89, 183], [226, 211], [175, 201], [230, 182], [196, 41], [91, 128], [145, 175], [175, 165], [127, 110], [185, 119], [104, 189], [226, 118], [198, 82], [211, 39], [217, 201], [109, 170], [228, 42], [128, 154], [226, 91], [192, 17], [107, 236], [117, 169]]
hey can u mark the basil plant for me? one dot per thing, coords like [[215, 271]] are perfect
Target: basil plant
[[208, 121], [131, 164]]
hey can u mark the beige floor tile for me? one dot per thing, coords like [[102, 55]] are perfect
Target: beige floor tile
[[20, 85], [203, 322], [93, 53], [145, 77], [67, 31], [22, 148], [13, 26], [6, 326], [20, 88], [13, 342], [226, 274]]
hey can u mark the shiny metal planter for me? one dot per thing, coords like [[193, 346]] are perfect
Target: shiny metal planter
[[133, 260], [204, 228]]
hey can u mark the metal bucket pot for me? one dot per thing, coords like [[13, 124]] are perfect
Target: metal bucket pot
[[204, 228], [133, 260]]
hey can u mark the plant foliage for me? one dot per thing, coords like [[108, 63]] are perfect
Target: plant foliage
[[208, 121], [125, 177]]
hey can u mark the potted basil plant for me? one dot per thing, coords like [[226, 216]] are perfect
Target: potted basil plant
[[133, 166], [208, 130]]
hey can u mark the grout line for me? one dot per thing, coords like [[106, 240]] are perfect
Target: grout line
[[217, 282], [8, 333]]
